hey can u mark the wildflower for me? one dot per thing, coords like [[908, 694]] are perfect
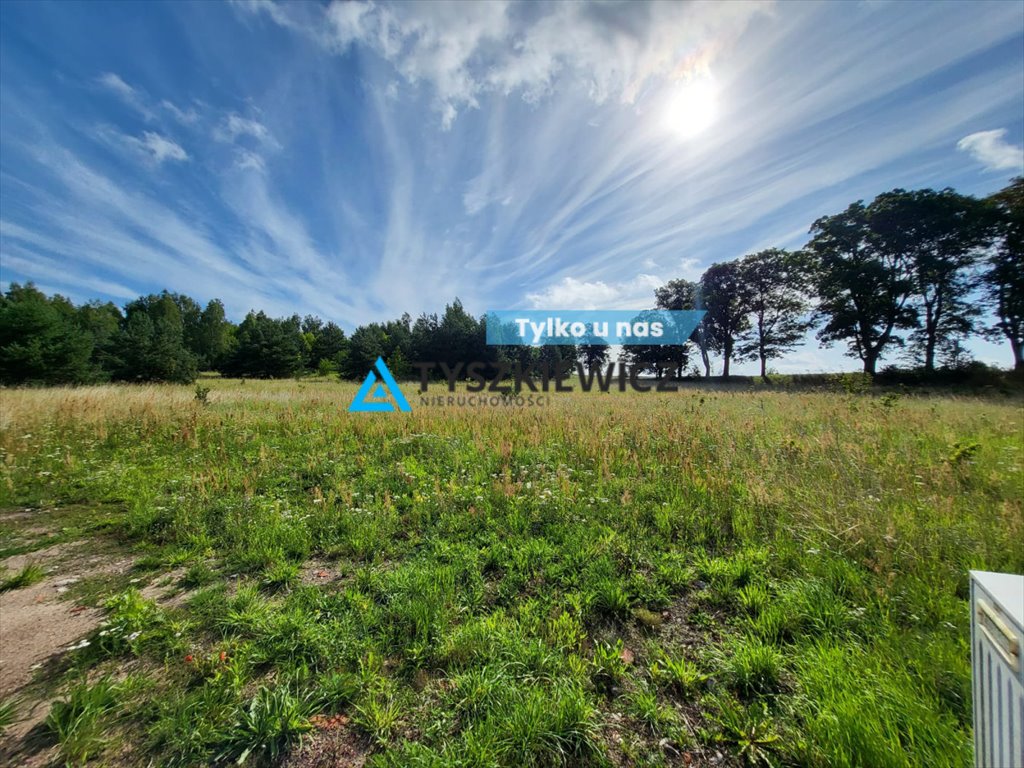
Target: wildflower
[[189, 658], [223, 657]]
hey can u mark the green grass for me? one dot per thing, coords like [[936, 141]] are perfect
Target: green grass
[[8, 714], [31, 573], [535, 587], [79, 721]]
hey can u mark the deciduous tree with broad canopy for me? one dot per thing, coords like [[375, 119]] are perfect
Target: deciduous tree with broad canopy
[[1004, 276], [863, 290]]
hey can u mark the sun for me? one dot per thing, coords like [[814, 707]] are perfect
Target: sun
[[691, 108]]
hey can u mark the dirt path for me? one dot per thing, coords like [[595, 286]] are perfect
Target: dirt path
[[38, 625], [35, 623]]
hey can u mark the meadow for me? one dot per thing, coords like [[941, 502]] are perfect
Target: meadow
[[753, 577]]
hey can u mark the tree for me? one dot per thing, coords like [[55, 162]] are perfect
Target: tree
[[461, 337], [863, 290], [41, 341], [368, 342], [777, 283], [455, 337], [191, 316], [212, 338], [938, 234], [557, 360], [685, 295], [103, 322], [660, 359], [1004, 278], [267, 347], [329, 344], [727, 302], [592, 353], [151, 343]]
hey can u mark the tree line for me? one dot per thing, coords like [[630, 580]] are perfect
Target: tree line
[[916, 271]]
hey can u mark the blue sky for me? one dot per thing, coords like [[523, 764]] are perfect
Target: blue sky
[[357, 160]]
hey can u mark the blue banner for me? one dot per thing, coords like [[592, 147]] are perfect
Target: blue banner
[[540, 327]]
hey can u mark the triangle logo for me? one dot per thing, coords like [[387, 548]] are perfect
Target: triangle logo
[[379, 394]]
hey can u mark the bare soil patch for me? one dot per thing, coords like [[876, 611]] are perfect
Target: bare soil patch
[[328, 747], [38, 625]]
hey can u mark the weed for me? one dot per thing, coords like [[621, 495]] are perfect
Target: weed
[[280, 576], [754, 598], [77, 722], [753, 666], [962, 452], [889, 400], [609, 668], [543, 727], [610, 599], [749, 729], [132, 623], [8, 713], [679, 674], [644, 705], [31, 573], [378, 716], [337, 690], [198, 575], [477, 691], [264, 728]]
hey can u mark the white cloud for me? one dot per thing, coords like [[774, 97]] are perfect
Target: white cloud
[[462, 50], [235, 125], [992, 150], [184, 116], [158, 148], [117, 85], [129, 95], [250, 161], [141, 102], [275, 11], [570, 293], [91, 224]]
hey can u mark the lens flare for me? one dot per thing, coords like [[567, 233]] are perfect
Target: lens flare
[[691, 108]]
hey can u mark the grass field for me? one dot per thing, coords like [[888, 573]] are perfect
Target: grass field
[[759, 577]]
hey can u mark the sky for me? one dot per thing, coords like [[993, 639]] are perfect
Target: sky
[[357, 160]]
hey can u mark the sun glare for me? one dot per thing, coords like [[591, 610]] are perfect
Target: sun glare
[[691, 108]]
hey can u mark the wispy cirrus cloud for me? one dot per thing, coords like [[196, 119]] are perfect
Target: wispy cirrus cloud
[[156, 147], [234, 126], [992, 150], [250, 161], [184, 116], [362, 160], [148, 108], [464, 50], [126, 93], [114, 82]]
